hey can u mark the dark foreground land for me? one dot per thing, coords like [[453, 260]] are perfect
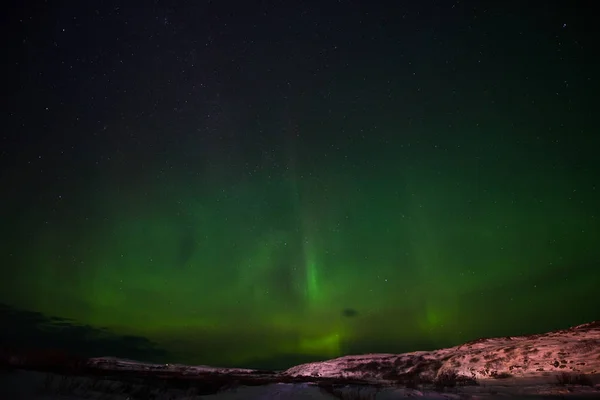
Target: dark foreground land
[[90, 382]]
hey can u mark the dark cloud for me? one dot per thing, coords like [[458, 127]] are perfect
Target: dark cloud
[[29, 329], [349, 312]]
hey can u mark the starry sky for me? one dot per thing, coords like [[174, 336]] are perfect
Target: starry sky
[[261, 183]]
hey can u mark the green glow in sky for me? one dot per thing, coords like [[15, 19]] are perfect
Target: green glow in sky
[[248, 185], [233, 275]]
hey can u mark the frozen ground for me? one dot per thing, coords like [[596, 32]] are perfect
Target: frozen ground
[[561, 364], [31, 385]]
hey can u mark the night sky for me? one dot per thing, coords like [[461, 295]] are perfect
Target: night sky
[[259, 183]]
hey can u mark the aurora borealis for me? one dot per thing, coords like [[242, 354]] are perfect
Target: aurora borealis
[[256, 184]]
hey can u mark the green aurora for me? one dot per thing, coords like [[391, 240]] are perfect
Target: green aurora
[[426, 253], [259, 187]]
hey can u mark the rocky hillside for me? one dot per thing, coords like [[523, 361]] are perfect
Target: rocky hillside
[[567, 354]]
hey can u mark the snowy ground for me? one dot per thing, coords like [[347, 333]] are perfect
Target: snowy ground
[[31, 385], [561, 364]]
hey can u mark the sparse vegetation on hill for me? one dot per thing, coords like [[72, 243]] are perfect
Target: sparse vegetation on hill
[[573, 379], [501, 375], [450, 379]]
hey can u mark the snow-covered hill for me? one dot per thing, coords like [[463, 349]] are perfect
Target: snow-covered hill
[[574, 351], [563, 363]]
